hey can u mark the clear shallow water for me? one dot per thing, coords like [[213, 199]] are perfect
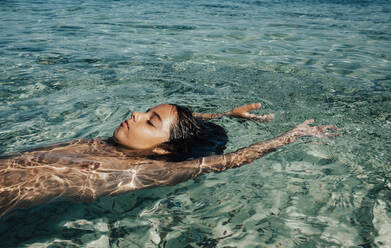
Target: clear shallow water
[[71, 69]]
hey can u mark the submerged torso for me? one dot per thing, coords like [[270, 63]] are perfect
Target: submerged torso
[[79, 170]]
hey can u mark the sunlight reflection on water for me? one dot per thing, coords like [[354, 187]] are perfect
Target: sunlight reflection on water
[[75, 70]]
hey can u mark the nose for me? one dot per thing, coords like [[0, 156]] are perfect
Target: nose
[[137, 116]]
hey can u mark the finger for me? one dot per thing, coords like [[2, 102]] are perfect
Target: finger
[[335, 130], [308, 122], [325, 128], [251, 116], [248, 115], [328, 135], [252, 106], [322, 131], [332, 127], [267, 117], [248, 107]]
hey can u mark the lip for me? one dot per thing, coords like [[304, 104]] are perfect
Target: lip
[[125, 124]]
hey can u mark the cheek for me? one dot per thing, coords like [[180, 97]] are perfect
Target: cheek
[[141, 135], [146, 137]]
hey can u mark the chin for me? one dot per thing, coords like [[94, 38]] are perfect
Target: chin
[[117, 136]]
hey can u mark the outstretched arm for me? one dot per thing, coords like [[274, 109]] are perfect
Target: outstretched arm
[[173, 173], [249, 154], [240, 112]]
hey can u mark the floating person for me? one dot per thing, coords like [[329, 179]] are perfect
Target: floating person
[[162, 146]]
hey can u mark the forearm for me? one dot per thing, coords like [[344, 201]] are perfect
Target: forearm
[[239, 112], [257, 150], [208, 116], [163, 174], [246, 155]]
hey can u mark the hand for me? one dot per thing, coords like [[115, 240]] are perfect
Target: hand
[[243, 112], [304, 129]]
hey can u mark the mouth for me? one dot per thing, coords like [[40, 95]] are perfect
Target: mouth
[[125, 124]]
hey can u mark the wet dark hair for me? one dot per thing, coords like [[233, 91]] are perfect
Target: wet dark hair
[[192, 138], [186, 127]]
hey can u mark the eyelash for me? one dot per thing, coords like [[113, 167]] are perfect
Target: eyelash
[[150, 123]]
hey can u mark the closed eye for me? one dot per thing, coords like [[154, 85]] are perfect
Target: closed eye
[[150, 123], [155, 120]]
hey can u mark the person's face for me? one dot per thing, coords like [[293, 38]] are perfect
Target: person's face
[[145, 130]]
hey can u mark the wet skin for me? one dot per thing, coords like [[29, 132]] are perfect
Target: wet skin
[[86, 169], [145, 130]]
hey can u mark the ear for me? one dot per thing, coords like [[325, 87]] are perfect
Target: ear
[[161, 151]]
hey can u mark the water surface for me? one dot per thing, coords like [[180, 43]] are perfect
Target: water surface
[[76, 69]]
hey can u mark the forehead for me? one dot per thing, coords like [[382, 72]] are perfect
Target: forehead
[[166, 111]]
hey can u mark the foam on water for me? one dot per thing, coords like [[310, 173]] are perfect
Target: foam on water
[[71, 69]]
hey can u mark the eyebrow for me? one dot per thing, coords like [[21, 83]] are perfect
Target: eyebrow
[[158, 116], [155, 114]]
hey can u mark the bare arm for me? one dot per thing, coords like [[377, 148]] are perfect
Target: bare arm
[[173, 173], [240, 112], [24, 186], [249, 154]]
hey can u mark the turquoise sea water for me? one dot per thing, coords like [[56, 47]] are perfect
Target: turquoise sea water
[[76, 69]]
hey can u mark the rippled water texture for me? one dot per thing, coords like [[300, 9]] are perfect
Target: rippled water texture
[[76, 69]]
